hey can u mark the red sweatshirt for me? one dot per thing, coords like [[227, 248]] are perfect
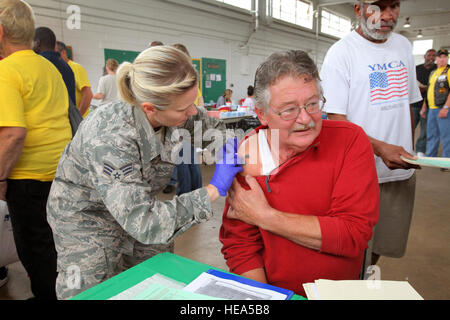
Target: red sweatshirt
[[335, 180]]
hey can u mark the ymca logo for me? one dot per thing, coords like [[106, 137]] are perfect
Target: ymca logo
[[388, 80]]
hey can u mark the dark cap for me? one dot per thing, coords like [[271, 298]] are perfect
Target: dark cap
[[442, 51]]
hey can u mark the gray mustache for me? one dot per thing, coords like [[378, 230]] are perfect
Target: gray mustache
[[302, 127], [388, 24]]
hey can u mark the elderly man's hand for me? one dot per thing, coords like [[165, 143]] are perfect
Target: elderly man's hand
[[250, 206]]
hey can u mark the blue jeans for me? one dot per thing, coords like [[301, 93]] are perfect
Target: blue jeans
[[189, 178], [173, 177], [421, 142], [188, 175], [438, 130]]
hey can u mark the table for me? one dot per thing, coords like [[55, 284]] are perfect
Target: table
[[234, 122], [234, 119], [168, 264]]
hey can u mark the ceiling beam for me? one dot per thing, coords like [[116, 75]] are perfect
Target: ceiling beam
[[333, 2], [423, 22]]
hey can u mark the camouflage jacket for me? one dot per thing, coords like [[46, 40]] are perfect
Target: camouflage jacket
[[103, 194]]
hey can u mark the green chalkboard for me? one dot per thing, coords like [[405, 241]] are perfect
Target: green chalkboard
[[214, 80], [121, 55]]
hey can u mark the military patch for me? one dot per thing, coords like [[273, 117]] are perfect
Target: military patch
[[117, 174]]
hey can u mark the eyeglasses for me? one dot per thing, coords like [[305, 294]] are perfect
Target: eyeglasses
[[293, 112]]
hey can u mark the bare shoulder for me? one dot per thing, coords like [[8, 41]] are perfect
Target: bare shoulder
[[248, 151]]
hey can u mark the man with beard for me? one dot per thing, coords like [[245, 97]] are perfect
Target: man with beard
[[423, 74], [438, 100], [369, 78]]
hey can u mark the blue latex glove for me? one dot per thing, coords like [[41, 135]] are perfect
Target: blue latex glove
[[228, 164]]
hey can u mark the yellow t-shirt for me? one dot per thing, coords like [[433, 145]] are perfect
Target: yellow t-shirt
[[33, 96], [81, 81], [430, 91]]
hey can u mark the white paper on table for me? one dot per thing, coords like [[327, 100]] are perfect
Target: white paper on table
[[160, 292], [361, 290], [311, 291], [218, 77], [139, 288]]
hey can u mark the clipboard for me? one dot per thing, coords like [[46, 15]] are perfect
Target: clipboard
[[225, 285]]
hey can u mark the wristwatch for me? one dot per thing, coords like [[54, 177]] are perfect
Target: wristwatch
[[446, 107]]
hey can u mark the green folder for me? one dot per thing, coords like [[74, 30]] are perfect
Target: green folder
[[167, 264]]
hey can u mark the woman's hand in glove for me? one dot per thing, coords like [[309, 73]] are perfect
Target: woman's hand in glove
[[228, 165]]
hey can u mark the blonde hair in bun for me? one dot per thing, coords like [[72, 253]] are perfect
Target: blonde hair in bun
[[156, 75]]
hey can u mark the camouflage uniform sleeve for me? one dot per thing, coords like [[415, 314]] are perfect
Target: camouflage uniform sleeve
[[116, 171]]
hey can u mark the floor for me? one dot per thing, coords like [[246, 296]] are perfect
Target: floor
[[426, 264]]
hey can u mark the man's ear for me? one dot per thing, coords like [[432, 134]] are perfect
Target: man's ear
[[261, 116], [357, 8], [36, 45]]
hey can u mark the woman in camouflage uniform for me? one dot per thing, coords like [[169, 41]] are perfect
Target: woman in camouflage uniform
[[102, 205]]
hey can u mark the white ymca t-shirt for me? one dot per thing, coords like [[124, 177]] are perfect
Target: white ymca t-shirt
[[373, 85], [108, 86]]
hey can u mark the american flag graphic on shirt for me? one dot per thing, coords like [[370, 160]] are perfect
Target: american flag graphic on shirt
[[385, 85]]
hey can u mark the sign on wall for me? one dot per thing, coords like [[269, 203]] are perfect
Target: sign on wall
[[121, 55], [213, 78]]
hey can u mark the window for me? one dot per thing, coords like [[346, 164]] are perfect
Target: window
[[420, 47], [335, 25], [244, 4], [294, 11]]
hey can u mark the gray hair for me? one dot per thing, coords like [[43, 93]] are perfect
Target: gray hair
[[293, 63], [17, 19], [61, 46]]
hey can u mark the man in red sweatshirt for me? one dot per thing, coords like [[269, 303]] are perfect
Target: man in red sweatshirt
[[306, 203]]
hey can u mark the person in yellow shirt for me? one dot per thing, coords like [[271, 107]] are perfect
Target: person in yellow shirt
[[83, 92], [438, 123], [34, 130]]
